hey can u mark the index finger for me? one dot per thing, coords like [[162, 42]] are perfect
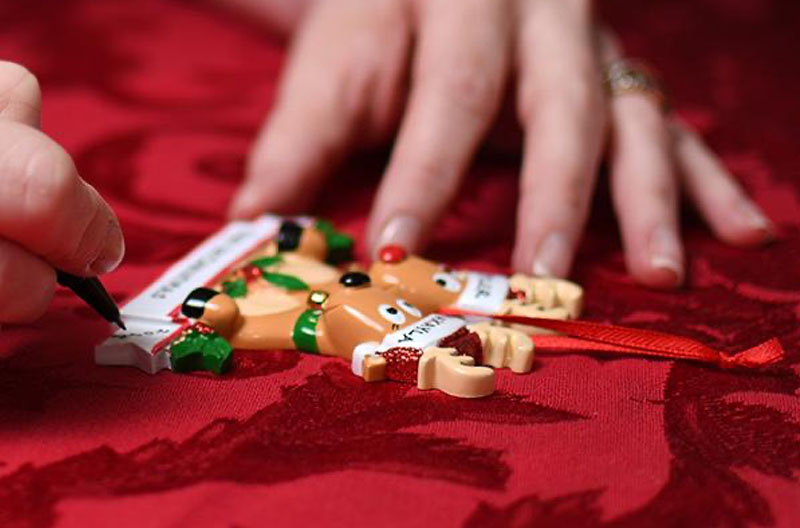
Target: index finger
[[47, 209], [459, 75]]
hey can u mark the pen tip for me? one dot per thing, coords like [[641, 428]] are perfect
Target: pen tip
[[120, 324]]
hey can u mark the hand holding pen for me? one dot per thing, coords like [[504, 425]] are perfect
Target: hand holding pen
[[49, 217]]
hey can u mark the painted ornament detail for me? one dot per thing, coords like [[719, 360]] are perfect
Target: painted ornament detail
[[295, 289]]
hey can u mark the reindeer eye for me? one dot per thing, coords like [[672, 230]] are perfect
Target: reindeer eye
[[409, 308], [391, 314], [447, 281]]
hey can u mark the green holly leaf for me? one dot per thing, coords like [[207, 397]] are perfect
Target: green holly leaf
[[266, 262], [287, 282], [325, 226], [339, 241], [340, 245], [217, 354], [235, 288], [186, 353], [194, 350]]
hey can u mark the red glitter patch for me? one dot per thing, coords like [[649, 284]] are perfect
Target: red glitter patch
[[401, 364]]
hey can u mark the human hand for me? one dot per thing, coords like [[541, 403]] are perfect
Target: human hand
[[49, 217], [345, 84]]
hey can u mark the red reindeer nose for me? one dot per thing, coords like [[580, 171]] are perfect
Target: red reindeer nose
[[392, 254]]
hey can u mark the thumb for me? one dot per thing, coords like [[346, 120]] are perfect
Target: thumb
[[20, 95]]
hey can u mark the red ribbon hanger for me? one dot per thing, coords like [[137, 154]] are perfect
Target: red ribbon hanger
[[585, 336]]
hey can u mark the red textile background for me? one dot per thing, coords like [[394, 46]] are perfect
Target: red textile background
[[157, 101]]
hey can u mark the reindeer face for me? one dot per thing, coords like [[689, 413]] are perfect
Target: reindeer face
[[424, 283], [360, 313]]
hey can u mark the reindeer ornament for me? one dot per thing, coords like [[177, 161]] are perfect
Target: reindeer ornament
[[380, 334], [285, 292], [272, 284]]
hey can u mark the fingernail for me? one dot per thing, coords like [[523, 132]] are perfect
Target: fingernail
[[400, 230], [112, 254], [552, 256], [753, 216], [104, 265], [665, 252]]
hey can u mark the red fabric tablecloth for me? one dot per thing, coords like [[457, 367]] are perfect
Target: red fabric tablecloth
[[158, 101]]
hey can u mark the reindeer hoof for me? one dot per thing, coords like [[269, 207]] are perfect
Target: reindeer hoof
[[441, 368], [505, 347]]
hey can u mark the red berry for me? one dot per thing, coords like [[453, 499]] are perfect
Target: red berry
[[251, 273]]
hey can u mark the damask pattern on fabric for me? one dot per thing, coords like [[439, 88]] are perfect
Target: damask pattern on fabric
[[157, 101]]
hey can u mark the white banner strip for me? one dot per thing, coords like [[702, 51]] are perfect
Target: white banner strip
[[483, 293], [147, 315], [135, 346], [201, 265]]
